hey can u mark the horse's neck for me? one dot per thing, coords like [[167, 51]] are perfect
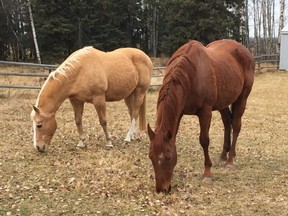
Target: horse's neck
[[51, 96], [169, 117]]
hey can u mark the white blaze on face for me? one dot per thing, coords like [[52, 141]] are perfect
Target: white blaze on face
[[34, 135], [161, 156]]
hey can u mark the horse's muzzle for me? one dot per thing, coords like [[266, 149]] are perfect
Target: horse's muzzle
[[165, 190], [41, 149]]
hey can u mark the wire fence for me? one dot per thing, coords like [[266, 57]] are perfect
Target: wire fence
[[263, 62]]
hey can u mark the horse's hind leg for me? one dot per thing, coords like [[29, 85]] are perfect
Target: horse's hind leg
[[100, 106], [238, 109], [129, 103], [78, 107], [134, 102], [227, 120]]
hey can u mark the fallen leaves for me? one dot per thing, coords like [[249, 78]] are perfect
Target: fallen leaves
[[120, 181]]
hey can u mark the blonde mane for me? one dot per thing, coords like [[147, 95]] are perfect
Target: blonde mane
[[69, 66]]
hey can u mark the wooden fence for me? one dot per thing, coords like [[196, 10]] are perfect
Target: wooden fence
[[267, 62], [263, 62]]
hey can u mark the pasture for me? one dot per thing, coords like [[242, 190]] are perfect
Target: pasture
[[120, 181]]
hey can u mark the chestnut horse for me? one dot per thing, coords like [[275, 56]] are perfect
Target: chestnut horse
[[198, 80], [90, 75]]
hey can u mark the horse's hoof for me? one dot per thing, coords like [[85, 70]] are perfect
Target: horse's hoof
[[81, 145], [127, 140], [230, 165], [207, 179], [109, 146]]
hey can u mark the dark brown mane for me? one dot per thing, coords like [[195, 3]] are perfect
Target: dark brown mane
[[172, 91], [179, 70]]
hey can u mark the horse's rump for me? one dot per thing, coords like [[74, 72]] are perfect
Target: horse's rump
[[218, 73]]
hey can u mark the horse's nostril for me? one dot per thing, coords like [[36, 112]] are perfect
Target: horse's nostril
[[41, 150], [167, 190]]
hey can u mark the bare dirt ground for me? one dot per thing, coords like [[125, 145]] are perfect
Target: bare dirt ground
[[120, 181]]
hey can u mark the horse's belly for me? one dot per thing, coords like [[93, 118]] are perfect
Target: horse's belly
[[119, 90], [227, 95], [229, 87]]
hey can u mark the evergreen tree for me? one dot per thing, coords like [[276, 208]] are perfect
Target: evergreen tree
[[205, 21], [155, 26]]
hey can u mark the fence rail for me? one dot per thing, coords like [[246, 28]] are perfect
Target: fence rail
[[261, 61], [48, 67]]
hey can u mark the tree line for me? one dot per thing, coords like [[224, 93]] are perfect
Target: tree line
[[54, 29]]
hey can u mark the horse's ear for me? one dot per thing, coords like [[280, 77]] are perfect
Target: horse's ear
[[168, 135], [150, 132], [36, 109]]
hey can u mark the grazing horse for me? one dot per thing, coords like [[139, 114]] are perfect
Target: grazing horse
[[197, 81], [90, 75]]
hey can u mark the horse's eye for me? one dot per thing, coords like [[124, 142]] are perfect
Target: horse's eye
[[39, 125]]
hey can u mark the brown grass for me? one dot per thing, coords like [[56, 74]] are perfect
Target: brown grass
[[97, 181]]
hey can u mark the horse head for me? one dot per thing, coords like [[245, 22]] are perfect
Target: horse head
[[164, 158], [44, 126]]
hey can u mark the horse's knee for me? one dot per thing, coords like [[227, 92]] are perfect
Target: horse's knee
[[78, 122], [103, 123]]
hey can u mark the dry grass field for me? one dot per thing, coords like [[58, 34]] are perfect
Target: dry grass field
[[120, 181]]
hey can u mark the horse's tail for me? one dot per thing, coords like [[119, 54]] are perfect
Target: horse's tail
[[142, 115]]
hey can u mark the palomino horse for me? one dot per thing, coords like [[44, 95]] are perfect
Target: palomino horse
[[199, 80], [90, 75]]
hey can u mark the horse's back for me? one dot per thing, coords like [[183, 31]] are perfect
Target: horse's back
[[239, 52], [115, 74], [216, 75], [233, 66]]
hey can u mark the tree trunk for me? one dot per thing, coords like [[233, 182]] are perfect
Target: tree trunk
[[281, 22], [247, 40], [264, 24], [34, 33], [256, 23], [154, 31]]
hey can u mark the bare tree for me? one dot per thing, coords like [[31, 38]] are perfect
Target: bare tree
[[154, 31], [264, 26], [34, 33], [256, 29], [281, 22], [267, 8]]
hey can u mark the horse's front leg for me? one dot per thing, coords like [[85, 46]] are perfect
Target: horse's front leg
[[100, 106], [78, 107], [205, 116]]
